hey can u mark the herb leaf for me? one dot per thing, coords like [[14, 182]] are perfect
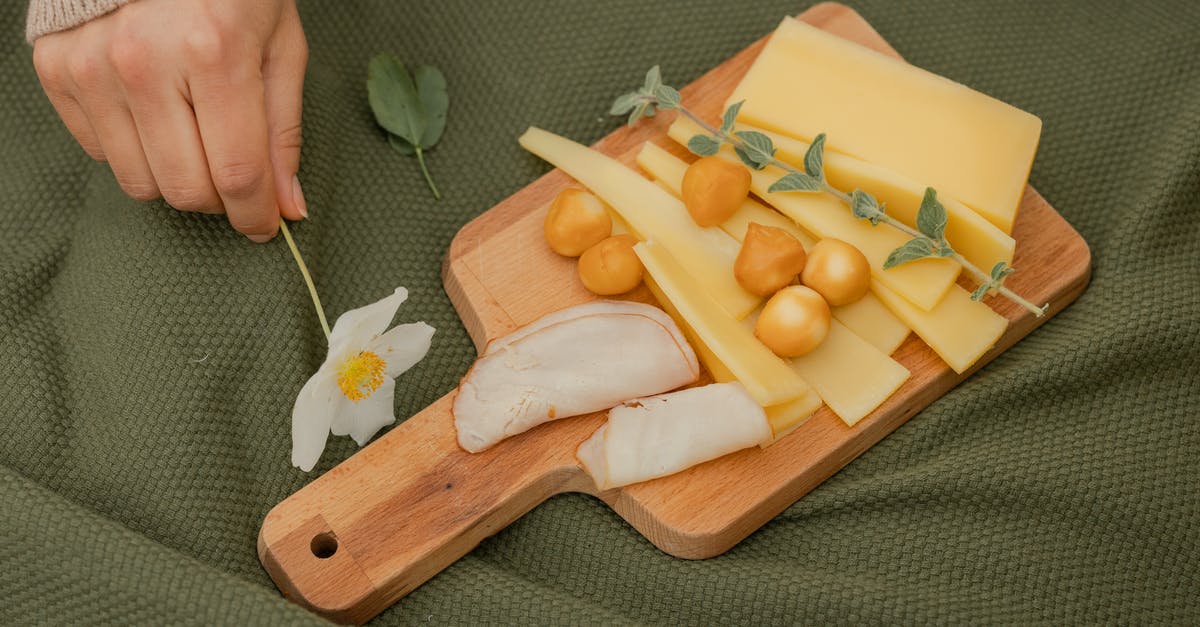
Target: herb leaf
[[431, 90], [814, 158], [412, 111], [667, 97], [795, 182], [931, 217], [703, 145], [757, 150], [393, 98], [1000, 271], [913, 249], [864, 205], [730, 117], [981, 291], [624, 104]]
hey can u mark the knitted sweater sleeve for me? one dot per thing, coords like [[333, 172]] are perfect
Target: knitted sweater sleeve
[[51, 16]]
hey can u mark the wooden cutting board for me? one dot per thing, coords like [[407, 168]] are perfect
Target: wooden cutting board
[[369, 531]]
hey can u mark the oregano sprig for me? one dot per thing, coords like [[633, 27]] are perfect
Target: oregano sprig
[[757, 151]]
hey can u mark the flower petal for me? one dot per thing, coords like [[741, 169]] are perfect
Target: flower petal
[[402, 346], [311, 416], [343, 414], [374, 412], [360, 325]]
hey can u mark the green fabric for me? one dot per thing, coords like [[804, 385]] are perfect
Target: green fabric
[[149, 359]]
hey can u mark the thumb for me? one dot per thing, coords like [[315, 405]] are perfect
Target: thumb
[[283, 82]]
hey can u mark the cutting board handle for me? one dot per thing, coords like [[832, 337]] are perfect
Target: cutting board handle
[[384, 521]]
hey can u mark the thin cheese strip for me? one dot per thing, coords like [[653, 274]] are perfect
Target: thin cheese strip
[[867, 318], [767, 378], [924, 282], [783, 418], [882, 110], [652, 214], [959, 329], [980, 241], [849, 374]]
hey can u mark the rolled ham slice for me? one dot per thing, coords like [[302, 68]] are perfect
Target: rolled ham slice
[[658, 436], [577, 362]]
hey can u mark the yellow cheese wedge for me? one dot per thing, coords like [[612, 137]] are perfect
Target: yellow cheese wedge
[[923, 282], [965, 144], [980, 241], [652, 214], [959, 329], [766, 377], [849, 374], [783, 418], [881, 109], [867, 318]]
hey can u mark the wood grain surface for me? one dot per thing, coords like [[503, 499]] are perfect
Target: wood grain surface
[[380, 524]]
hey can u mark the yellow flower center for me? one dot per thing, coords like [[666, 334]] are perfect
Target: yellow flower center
[[361, 375]]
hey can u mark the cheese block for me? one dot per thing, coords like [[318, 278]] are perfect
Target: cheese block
[[959, 330], [923, 282], [652, 214], [768, 379], [783, 418], [850, 375], [867, 317], [930, 129], [980, 241]]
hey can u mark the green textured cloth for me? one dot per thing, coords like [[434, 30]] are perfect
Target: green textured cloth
[[149, 359]]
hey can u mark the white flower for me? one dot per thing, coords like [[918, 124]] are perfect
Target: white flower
[[352, 392]]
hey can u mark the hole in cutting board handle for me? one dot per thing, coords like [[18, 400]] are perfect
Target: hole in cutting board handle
[[324, 545]]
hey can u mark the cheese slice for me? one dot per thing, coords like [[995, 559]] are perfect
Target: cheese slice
[[923, 282], [959, 330], [849, 374], [652, 214], [980, 241], [965, 144], [783, 418], [867, 318], [768, 379]]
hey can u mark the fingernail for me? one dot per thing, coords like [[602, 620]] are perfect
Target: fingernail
[[261, 239], [298, 196]]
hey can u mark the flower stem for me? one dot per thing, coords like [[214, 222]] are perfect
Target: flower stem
[[424, 170], [312, 289], [980, 275]]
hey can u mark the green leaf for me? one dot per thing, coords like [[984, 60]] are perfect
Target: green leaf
[[704, 145], [746, 158], [814, 158], [864, 205], [795, 182], [653, 81], [981, 291], [758, 148], [913, 249], [730, 117], [667, 97], [394, 100], [1000, 271], [625, 104], [401, 146], [431, 90], [931, 217], [642, 109]]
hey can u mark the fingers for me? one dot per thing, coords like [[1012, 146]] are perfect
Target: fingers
[[58, 87], [100, 95], [230, 105], [171, 139], [283, 78]]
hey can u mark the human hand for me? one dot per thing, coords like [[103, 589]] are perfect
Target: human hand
[[196, 101]]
